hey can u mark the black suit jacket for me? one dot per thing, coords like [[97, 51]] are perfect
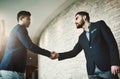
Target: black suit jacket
[[101, 50]]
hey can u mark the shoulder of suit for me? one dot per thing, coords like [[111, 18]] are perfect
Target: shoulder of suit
[[97, 22], [20, 28], [100, 21]]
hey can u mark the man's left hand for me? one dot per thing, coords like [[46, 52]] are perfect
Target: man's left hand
[[115, 69]]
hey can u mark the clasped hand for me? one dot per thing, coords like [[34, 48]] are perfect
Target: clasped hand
[[54, 55]]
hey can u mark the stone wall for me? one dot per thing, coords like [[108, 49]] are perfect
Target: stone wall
[[61, 35]]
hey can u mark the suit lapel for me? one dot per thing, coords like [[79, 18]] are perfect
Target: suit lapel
[[92, 31], [84, 41]]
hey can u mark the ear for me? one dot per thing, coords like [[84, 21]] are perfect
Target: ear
[[84, 17], [20, 19]]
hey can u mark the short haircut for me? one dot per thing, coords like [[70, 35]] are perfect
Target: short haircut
[[23, 14], [83, 13]]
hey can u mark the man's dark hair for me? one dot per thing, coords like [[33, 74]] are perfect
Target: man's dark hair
[[83, 13], [23, 14]]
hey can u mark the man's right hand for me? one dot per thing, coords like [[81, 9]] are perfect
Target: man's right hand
[[54, 55]]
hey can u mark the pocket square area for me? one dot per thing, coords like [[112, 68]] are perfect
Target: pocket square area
[[93, 30]]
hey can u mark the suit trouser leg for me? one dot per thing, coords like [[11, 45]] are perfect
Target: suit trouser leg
[[102, 75]]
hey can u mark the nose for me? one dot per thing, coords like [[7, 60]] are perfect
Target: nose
[[76, 23]]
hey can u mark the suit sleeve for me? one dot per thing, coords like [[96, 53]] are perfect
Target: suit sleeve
[[26, 41], [112, 44], [65, 55]]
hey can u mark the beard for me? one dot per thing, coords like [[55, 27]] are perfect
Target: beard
[[80, 25]]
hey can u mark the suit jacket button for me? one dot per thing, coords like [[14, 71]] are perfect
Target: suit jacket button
[[90, 46]]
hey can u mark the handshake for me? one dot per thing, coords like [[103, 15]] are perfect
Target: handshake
[[54, 55]]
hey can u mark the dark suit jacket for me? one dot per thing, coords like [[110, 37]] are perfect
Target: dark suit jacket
[[101, 50], [15, 55]]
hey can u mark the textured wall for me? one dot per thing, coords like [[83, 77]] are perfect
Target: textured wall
[[61, 35]]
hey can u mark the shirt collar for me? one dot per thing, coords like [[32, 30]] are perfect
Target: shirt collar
[[88, 27]]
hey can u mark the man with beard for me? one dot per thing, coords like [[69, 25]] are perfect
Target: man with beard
[[99, 45]]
